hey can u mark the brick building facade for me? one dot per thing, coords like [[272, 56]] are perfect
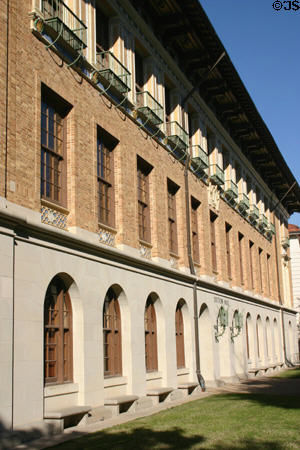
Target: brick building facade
[[125, 203]]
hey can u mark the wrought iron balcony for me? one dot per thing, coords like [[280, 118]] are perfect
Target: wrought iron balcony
[[177, 136], [216, 174], [272, 228], [263, 221], [63, 25], [149, 108], [112, 73], [243, 202], [254, 213], [285, 243], [231, 190], [199, 158]]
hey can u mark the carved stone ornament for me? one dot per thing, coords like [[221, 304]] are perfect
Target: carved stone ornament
[[213, 196]]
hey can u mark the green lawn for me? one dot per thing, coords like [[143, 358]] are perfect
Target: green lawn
[[229, 421], [292, 373]]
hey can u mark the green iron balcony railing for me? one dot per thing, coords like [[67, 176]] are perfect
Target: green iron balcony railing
[[231, 190], [216, 174], [149, 108], [243, 202], [177, 136], [285, 242], [63, 24], [272, 228], [254, 213], [263, 221], [199, 158], [112, 72]]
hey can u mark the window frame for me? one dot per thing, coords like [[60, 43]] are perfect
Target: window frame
[[112, 336], [213, 217], [172, 189], [150, 323], [64, 372], [179, 334], [194, 230], [228, 229], [105, 177], [241, 241], [53, 168], [143, 196]]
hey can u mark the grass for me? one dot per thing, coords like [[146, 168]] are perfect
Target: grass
[[292, 373], [229, 421]]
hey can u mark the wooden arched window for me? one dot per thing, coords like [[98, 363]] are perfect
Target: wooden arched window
[[247, 335], [58, 346], [150, 337], [179, 331], [112, 343]]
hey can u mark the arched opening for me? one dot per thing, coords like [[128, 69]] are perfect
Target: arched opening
[[150, 335], [58, 338], [179, 333], [112, 339], [268, 338], [276, 340], [249, 339], [206, 344], [259, 339], [237, 340], [290, 342]]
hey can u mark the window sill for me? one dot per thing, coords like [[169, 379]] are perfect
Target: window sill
[[55, 206], [215, 272], [174, 255], [145, 243], [107, 227], [153, 376], [183, 371], [115, 381], [60, 389]]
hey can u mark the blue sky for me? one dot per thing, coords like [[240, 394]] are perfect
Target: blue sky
[[264, 46]]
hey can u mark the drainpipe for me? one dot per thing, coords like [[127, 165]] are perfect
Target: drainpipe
[[200, 378], [6, 104], [192, 270]]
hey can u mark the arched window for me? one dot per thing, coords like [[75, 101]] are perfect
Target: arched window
[[150, 337], [58, 354], [247, 335], [112, 344], [179, 331]]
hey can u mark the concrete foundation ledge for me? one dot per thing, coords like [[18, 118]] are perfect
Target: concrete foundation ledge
[[159, 394], [66, 417], [121, 403]]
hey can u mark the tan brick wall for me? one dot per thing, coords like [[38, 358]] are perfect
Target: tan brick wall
[[31, 64]]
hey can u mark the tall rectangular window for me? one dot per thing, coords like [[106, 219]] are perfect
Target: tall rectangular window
[[195, 235], [260, 269], [102, 31], [105, 176], [167, 103], [53, 147], [251, 246], [172, 222], [241, 240], [143, 171], [269, 274], [139, 72], [228, 253], [213, 248]]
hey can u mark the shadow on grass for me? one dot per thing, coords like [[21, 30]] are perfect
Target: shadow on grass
[[289, 374], [279, 401], [147, 439]]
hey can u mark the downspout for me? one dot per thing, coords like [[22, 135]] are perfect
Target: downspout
[[192, 270], [6, 104], [200, 378]]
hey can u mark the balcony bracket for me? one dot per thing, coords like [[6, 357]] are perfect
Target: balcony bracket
[[173, 150], [80, 55], [121, 102]]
